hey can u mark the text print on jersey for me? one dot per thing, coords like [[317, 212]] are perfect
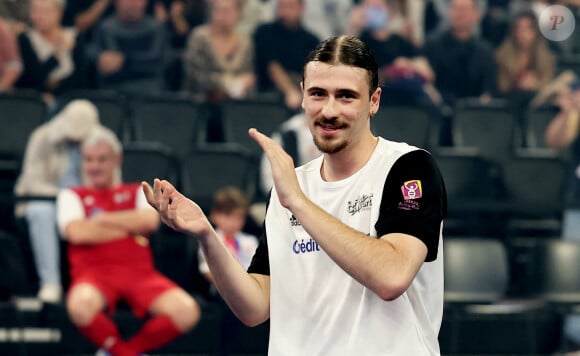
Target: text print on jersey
[[305, 247]]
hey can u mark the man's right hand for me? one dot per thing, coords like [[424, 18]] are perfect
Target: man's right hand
[[176, 210]]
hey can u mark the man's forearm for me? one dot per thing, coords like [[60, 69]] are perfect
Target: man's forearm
[[89, 232], [141, 221], [247, 295], [384, 265]]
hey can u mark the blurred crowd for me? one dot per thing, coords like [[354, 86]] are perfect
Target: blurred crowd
[[432, 52]]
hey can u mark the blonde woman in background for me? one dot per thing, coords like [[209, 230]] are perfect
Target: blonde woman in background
[[524, 60], [218, 60]]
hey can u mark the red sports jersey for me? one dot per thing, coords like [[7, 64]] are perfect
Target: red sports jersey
[[132, 251]]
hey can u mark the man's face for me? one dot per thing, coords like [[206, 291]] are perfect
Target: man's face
[[99, 165], [463, 14], [337, 104], [289, 12], [131, 10]]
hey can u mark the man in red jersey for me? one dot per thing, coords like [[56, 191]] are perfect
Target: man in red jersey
[[106, 223]]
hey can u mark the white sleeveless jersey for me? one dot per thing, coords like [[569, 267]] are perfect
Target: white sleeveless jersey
[[316, 308]]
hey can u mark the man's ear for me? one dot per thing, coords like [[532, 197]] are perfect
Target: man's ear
[[375, 101], [302, 90]]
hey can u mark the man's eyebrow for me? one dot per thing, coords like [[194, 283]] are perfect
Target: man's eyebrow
[[315, 89]]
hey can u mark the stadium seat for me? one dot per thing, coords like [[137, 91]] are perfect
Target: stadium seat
[[214, 166], [556, 279], [410, 124], [569, 62], [146, 160], [533, 185], [20, 114], [240, 115], [174, 121], [475, 297], [536, 122], [471, 186], [490, 127]]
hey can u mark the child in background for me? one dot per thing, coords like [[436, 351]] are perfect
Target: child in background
[[228, 215]]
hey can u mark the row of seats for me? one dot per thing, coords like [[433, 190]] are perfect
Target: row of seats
[[181, 123], [177, 121], [488, 176], [479, 275], [481, 314], [522, 194]]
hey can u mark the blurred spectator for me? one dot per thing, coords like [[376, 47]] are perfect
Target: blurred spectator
[[53, 56], [10, 62], [524, 62], [495, 21], [413, 14], [323, 18], [17, 13], [463, 63], [218, 60], [107, 224], [252, 16], [326, 18], [228, 215], [563, 132], [281, 47], [295, 137], [407, 76], [383, 14], [52, 161], [180, 16], [130, 49]]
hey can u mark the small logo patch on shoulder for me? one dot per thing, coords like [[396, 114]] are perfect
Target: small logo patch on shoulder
[[411, 189]]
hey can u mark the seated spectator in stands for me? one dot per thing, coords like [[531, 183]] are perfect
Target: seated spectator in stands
[[380, 14], [327, 18], [495, 21], [562, 133], [53, 56], [130, 48], [17, 13], [295, 137], [51, 161], [180, 16], [107, 223], [407, 76], [524, 61], [228, 215], [464, 65], [281, 47], [10, 62], [218, 61]]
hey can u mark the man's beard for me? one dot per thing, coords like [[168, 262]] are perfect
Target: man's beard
[[328, 146]]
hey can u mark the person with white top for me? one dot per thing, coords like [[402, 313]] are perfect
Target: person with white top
[[351, 258]]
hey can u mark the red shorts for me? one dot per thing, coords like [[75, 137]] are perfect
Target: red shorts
[[139, 289]]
